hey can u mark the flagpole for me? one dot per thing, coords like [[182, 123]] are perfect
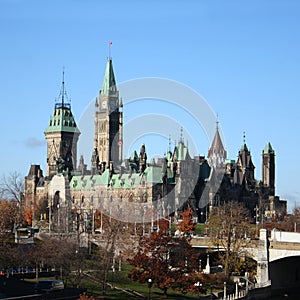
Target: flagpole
[[109, 45]]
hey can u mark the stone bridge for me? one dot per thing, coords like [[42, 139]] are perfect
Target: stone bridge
[[277, 257]]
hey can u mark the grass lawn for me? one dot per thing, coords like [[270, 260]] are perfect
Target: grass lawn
[[120, 280]]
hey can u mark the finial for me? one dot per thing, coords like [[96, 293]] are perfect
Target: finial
[[181, 134], [63, 97], [217, 122], [169, 143], [63, 87], [244, 137]]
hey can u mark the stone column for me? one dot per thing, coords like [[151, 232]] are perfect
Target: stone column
[[263, 276]]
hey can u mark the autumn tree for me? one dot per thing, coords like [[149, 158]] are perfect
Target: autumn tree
[[9, 217], [290, 222], [166, 260], [28, 215], [229, 230], [187, 224]]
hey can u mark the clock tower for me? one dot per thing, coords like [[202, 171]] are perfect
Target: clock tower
[[62, 136], [108, 135]]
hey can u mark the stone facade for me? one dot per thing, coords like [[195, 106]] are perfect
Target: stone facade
[[134, 189]]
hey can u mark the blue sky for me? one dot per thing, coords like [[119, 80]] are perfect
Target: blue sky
[[243, 57]]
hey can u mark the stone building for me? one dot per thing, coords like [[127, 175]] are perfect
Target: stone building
[[135, 189], [236, 181]]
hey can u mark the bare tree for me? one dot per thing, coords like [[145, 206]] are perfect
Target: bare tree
[[230, 229], [12, 186]]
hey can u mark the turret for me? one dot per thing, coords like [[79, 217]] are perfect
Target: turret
[[62, 136], [268, 168]]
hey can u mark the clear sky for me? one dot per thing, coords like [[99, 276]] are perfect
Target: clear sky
[[243, 57]]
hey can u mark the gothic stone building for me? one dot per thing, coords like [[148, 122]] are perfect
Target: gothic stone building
[[135, 189]]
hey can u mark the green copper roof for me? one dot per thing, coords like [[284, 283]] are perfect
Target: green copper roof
[[181, 151], [62, 120], [153, 174], [268, 149], [109, 81], [244, 147]]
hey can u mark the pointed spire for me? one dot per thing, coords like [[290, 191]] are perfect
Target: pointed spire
[[109, 81], [217, 154], [217, 146]]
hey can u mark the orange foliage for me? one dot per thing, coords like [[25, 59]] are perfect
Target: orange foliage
[[8, 214], [164, 225], [84, 296], [166, 260], [187, 225], [28, 214]]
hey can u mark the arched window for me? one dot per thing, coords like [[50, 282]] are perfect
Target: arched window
[[56, 199]]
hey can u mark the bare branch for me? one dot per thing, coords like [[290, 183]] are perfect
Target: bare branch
[[12, 186]]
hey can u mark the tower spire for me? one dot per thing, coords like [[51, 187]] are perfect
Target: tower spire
[[63, 97], [109, 81], [217, 154], [63, 87]]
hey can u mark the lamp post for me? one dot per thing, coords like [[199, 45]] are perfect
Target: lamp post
[[198, 285], [144, 211], [225, 290], [149, 286], [50, 207], [200, 267], [58, 220]]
